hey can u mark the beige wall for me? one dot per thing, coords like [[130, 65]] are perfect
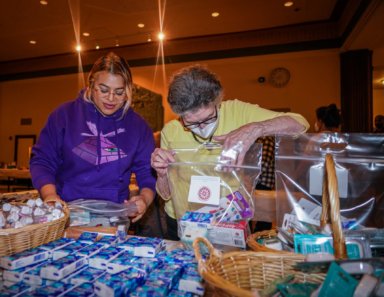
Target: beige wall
[[314, 82]]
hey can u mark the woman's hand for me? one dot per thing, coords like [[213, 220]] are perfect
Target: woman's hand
[[142, 202], [237, 142], [160, 160], [52, 199]]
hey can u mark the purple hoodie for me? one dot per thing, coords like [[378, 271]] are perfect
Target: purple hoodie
[[89, 155]]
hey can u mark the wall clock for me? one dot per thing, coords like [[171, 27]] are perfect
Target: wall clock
[[279, 77]]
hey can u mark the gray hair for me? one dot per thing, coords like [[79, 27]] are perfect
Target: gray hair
[[192, 88], [116, 65]]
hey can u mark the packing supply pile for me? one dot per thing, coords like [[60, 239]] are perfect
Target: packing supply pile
[[135, 266]]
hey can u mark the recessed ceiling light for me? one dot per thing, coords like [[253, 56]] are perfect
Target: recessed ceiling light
[[141, 25], [32, 41], [288, 3], [86, 34], [43, 2], [215, 14], [97, 47], [161, 36]]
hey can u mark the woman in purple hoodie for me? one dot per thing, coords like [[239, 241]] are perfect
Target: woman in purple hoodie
[[89, 147]]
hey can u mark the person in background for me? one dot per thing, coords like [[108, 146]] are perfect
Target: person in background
[[379, 124], [196, 96], [90, 146], [328, 119]]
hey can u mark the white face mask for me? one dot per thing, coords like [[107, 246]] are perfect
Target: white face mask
[[207, 131]]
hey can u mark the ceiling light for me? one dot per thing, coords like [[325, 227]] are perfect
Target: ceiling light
[[382, 81], [161, 36], [149, 39], [32, 41], [78, 48], [43, 2], [86, 34], [215, 14], [97, 46], [141, 25], [288, 3]]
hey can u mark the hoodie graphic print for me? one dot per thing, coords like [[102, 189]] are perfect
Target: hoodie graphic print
[[88, 149]]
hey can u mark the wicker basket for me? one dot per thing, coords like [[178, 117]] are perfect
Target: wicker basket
[[240, 273], [330, 208], [17, 240]]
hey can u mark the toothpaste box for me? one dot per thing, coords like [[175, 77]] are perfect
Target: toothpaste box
[[150, 289], [88, 237], [101, 259], [25, 258], [63, 267], [33, 278], [57, 244], [142, 246], [229, 233], [178, 293], [120, 263], [15, 290], [18, 274], [191, 281], [145, 264], [108, 240], [54, 289], [68, 250], [120, 284], [91, 249], [82, 290], [86, 275]]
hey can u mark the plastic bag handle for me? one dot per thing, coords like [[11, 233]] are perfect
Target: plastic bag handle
[[331, 207]]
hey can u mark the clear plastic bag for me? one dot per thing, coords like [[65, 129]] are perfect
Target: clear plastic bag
[[208, 186], [359, 161], [93, 212]]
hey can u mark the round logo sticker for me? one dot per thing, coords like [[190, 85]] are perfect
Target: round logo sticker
[[204, 193]]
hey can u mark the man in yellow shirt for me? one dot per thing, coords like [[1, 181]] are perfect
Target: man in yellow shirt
[[195, 94]]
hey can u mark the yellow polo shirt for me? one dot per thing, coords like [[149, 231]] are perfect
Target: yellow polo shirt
[[232, 115]]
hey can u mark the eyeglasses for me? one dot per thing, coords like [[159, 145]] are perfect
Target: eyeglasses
[[106, 92], [198, 124]]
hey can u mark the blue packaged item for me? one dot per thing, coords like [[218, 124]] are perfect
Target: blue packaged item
[[83, 290], [120, 263], [145, 264], [33, 278], [143, 246], [91, 250], [179, 293], [167, 276], [101, 259], [52, 290], [18, 274], [88, 237], [25, 258], [191, 281], [63, 267], [18, 289], [150, 289], [87, 275], [108, 240], [57, 244], [120, 284], [68, 250]]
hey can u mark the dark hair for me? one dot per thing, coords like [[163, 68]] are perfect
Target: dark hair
[[329, 115], [192, 88], [116, 65]]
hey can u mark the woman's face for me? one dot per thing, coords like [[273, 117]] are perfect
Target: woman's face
[[201, 117], [108, 92]]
